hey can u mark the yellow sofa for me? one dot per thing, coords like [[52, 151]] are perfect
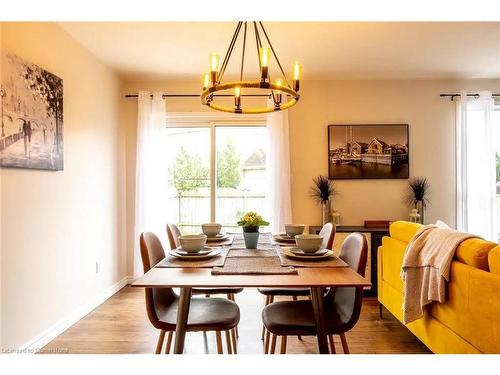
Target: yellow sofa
[[469, 320]]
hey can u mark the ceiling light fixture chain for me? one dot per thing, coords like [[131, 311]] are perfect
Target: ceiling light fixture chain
[[212, 82]]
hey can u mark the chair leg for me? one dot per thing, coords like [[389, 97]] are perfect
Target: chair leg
[[268, 298], [266, 342], [380, 311], [169, 342], [344, 343], [273, 343], [332, 344], [231, 297], [159, 344], [294, 298], [283, 345], [228, 342], [219, 342], [235, 342]]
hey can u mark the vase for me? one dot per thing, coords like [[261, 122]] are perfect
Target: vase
[[325, 212], [420, 207], [251, 237]]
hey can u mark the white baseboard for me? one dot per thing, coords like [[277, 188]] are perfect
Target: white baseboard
[[50, 334]]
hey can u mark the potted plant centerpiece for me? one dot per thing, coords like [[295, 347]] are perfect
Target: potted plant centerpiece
[[250, 223]]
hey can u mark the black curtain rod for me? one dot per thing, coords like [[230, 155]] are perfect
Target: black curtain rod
[[197, 95], [452, 96]]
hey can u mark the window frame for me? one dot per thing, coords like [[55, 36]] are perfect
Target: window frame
[[212, 121]]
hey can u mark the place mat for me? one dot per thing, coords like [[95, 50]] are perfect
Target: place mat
[[253, 266], [173, 262], [332, 262]]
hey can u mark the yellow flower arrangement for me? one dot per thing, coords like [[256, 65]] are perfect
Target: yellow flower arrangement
[[252, 220]]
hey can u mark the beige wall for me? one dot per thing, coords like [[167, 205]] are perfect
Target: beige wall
[[56, 225], [432, 147]]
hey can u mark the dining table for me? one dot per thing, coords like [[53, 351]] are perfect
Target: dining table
[[263, 267]]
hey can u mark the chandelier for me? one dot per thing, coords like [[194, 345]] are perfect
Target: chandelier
[[277, 89]]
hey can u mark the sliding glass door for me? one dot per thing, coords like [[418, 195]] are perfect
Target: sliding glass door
[[240, 153], [216, 172]]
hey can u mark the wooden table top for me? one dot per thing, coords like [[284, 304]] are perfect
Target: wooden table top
[[202, 277]]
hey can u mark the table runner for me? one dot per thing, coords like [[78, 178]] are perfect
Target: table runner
[[332, 262], [261, 261], [172, 262]]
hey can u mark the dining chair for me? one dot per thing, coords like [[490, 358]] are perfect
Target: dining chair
[[173, 233], [328, 232], [342, 305], [205, 314]]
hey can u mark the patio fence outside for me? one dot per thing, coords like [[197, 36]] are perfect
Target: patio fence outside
[[194, 209]]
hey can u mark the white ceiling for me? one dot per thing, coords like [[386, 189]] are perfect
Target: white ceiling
[[327, 50]]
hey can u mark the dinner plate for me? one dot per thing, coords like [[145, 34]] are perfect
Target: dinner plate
[[283, 237], [220, 235], [205, 251], [287, 252], [298, 251], [218, 238], [211, 254]]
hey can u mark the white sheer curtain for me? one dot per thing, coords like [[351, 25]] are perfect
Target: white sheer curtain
[[151, 186], [476, 195], [279, 202]]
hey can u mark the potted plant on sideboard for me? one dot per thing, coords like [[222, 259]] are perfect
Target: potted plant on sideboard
[[323, 192], [417, 195]]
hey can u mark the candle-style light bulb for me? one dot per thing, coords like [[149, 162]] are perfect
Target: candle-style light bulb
[[206, 81], [214, 62], [297, 71], [265, 56], [237, 98], [214, 65]]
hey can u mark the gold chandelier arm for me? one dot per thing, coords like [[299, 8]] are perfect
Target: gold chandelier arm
[[229, 51]]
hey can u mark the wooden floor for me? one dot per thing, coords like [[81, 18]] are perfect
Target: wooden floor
[[120, 325]]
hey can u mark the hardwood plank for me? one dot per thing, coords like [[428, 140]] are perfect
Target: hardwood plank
[[120, 325]]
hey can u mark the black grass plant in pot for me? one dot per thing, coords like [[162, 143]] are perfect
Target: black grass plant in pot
[[323, 192], [417, 195], [250, 223]]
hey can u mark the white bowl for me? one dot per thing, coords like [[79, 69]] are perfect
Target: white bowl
[[211, 229], [193, 243], [309, 243], [294, 229]]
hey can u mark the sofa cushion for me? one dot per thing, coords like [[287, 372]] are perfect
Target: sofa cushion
[[403, 230], [494, 260], [393, 252], [474, 252]]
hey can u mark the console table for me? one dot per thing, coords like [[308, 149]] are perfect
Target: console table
[[374, 237]]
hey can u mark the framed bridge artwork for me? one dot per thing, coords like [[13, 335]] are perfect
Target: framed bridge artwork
[[368, 151], [32, 115]]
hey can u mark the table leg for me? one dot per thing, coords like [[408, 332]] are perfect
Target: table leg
[[319, 315], [182, 318]]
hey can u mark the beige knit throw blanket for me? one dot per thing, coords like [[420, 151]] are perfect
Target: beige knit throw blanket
[[426, 268]]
